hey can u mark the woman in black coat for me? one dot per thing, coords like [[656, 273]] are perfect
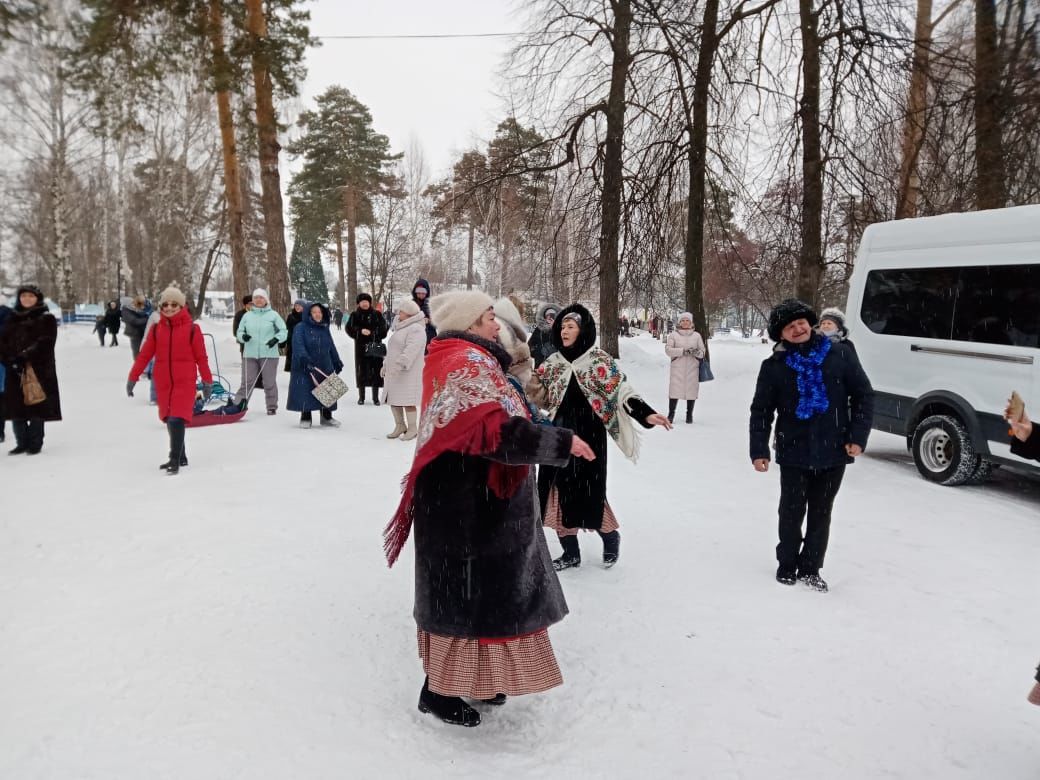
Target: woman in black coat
[[366, 326], [28, 340], [294, 318], [583, 389], [112, 319]]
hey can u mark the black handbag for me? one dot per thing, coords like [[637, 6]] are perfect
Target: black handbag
[[375, 349]]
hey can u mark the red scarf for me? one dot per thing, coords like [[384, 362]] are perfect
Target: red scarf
[[466, 400]]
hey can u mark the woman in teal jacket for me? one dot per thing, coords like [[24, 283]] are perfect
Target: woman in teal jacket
[[260, 332]]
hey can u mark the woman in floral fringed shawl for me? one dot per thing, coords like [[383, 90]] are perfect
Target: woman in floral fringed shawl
[[582, 388]]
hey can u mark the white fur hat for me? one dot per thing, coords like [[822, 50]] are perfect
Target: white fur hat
[[409, 307], [513, 335], [260, 291], [458, 310]]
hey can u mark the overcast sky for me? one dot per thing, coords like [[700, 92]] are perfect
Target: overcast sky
[[444, 92]]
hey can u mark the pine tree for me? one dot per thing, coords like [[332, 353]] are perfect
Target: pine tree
[[305, 268], [345, 162]]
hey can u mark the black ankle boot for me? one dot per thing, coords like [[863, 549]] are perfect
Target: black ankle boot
[[611, 548], [571, 558], [689, 411], [671, 408], [450, 709]]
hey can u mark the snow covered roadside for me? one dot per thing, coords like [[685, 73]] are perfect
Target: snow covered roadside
[[238, 620]]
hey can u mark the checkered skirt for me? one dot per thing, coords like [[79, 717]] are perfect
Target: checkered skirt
[[554, 517], [476, 670]]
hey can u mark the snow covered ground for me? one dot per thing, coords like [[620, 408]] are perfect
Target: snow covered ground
[[239, 621]]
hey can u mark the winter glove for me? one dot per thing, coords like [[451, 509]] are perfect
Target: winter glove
[[246, 337], [272, 342], [130, 388], [207, 391], [337, 368]]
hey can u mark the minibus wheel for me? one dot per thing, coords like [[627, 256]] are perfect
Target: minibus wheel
[[943, 450]]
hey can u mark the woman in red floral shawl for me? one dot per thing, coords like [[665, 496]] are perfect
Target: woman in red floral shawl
[[485, 589]]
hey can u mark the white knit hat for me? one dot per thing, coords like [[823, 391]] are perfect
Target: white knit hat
[[409, 307], [262, 293], [172, 295], [459, 310]]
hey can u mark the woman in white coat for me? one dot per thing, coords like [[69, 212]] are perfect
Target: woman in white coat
[[403, 368], [685, 347]]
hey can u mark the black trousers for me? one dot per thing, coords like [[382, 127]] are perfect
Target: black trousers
[[28, 434], [806, 494]]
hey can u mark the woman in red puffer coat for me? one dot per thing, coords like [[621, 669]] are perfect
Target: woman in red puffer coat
[[180, 354]]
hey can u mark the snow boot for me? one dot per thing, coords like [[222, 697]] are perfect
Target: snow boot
[[18, 450], [785, 576], [814, 581], [450, 709], [175, 426], [399, 426], [413, 428], [327, 419], [375, 397], [305, 420], [671, 409], [361, 395], [611, 548], [571, 558], [689, 412]]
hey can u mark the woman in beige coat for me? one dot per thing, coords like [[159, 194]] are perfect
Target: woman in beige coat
[[685, 348], [403, 368]]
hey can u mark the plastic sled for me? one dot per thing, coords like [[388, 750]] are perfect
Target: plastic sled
[[221, 415]]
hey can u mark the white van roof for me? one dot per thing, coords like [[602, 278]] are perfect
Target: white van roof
[[1020, 224]]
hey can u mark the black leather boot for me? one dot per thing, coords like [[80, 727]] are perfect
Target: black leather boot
[[571, 558], [611, 548], [178, 458], [671, 408], [689, 411], [450, 709]]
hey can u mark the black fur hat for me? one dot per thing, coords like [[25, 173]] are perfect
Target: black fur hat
[[786, 312]]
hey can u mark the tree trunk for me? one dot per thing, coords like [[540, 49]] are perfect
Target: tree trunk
[[106, 199], [351, 209], [232, 173], [59, 223], [989, 147], [913, 128], [211, 262], [810, 260], [698, 157], [610, 226], [469, 257], [339, 267], [123, 257], [270, 180]]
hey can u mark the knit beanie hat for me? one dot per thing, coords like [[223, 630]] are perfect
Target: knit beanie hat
[[172, 295], [459, 310], [786, 312], [685, 315], [835, 315], [262, 293], [409, 307]]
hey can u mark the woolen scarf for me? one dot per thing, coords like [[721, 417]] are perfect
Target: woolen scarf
[[466, 400]]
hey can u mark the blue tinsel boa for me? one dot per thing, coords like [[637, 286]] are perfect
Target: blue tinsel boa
[[812, 393]]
